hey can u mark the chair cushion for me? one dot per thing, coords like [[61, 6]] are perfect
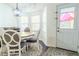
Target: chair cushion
[[0, 44], [32, 41]]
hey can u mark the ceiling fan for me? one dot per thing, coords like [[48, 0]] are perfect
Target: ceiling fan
[[17, 11]]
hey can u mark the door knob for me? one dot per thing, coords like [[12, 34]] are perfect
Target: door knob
[[57, 30]]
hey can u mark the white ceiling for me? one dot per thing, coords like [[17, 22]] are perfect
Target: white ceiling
[[28, 7]]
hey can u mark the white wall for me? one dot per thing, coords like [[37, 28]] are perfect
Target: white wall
[[49, 34], [7, 18], [51, 25], [44, 26]]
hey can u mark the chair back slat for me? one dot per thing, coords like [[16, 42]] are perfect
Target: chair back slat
[[16, 38], [10, 32], [37, 34], [1, 31], [12, 39], [12, 43], [7, 38]]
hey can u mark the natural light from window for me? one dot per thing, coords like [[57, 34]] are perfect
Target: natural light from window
[[67, 18]]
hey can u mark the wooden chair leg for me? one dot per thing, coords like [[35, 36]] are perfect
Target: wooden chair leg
[[26, 46], [38, 46], [19, 53]]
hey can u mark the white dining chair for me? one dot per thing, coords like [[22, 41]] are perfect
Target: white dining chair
[[27, 29], [1, 31], [0, 45], [34, 39], [12, 40]]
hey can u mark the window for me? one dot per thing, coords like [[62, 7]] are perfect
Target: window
[[30, 21], [35, 22], [24, 19], [35, 19], [67, 18], [24, 22]]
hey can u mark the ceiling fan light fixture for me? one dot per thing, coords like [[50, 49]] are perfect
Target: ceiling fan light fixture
[[17, 11]]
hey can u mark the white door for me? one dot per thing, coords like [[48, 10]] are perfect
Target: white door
[[67, 31]]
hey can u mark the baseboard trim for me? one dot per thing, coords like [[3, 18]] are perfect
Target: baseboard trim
[[65, 49]]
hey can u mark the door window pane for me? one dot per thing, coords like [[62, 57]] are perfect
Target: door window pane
[[67, 18]]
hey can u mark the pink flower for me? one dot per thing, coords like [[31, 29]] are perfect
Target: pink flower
[[66, 17]]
